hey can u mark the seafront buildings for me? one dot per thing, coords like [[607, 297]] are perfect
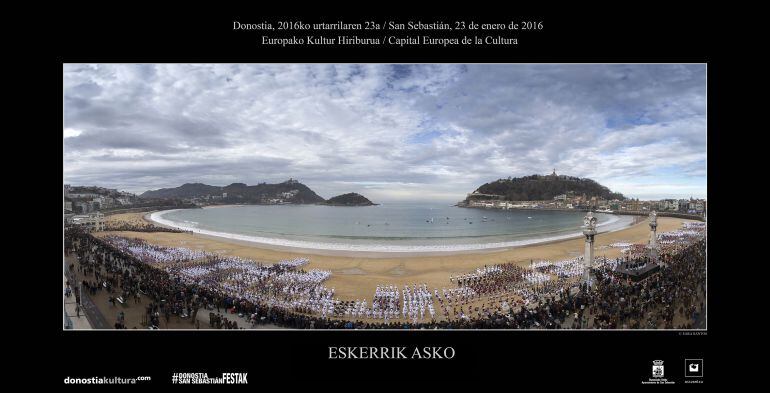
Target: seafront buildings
[[582, 202], [88, 199]]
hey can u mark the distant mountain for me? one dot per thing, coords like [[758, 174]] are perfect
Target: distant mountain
[[539, 188], [349, 199], [290, 191], [188, 190]]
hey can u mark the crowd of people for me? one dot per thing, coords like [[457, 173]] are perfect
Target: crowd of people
[[281, 284], [181, 281], [152, 254], [653, 302], [124, 226], [561, 269], [219, 321]]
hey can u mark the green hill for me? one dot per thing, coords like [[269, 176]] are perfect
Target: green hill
[[188, 190], [349, 199], [539, 188], [290, 191]]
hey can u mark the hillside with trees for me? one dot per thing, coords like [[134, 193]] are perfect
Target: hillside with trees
[[349, 199], [290, 191], [539, 188]]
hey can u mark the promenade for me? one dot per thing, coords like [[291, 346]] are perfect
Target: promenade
[[71, 319]]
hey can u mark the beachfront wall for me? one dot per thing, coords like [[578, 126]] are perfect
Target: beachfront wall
[[662, 214]]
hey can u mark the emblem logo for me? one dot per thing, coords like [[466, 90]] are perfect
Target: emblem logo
[[693, 368], [657, 369]]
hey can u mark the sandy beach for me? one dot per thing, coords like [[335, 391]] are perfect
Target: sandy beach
[[357, 276]]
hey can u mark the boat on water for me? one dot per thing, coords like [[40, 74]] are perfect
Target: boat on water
[[605, 211]]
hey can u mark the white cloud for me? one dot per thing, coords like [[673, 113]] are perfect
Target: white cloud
[[341, 128], [71, 132]]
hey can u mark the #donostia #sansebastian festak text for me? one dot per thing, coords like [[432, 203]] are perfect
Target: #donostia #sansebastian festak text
[[369, 27], [338, 353]]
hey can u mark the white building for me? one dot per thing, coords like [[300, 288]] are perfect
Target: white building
[[92, 222], [84, 195]]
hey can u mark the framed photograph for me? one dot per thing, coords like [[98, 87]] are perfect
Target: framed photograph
[[356, 193]]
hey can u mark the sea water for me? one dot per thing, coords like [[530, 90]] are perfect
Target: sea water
[[389, 227]]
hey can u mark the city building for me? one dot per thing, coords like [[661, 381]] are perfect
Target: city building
[[91, 222]]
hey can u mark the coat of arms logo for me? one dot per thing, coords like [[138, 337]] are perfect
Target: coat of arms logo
[[657, 369]]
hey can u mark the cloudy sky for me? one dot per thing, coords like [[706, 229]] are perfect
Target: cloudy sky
[[390, 132]]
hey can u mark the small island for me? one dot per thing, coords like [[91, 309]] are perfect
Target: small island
[[349, 199]]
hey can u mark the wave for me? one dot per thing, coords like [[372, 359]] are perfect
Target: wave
[[334, 246]]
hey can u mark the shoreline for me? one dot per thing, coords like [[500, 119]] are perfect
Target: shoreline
[[348, 250], [356, 276]]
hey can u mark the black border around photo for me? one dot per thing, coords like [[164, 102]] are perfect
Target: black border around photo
[[513, 358]]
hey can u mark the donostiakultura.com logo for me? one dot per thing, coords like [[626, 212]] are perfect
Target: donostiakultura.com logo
[[105, 380]]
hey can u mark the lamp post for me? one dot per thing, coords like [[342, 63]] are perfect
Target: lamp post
[[653, 236], [589, 231]]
